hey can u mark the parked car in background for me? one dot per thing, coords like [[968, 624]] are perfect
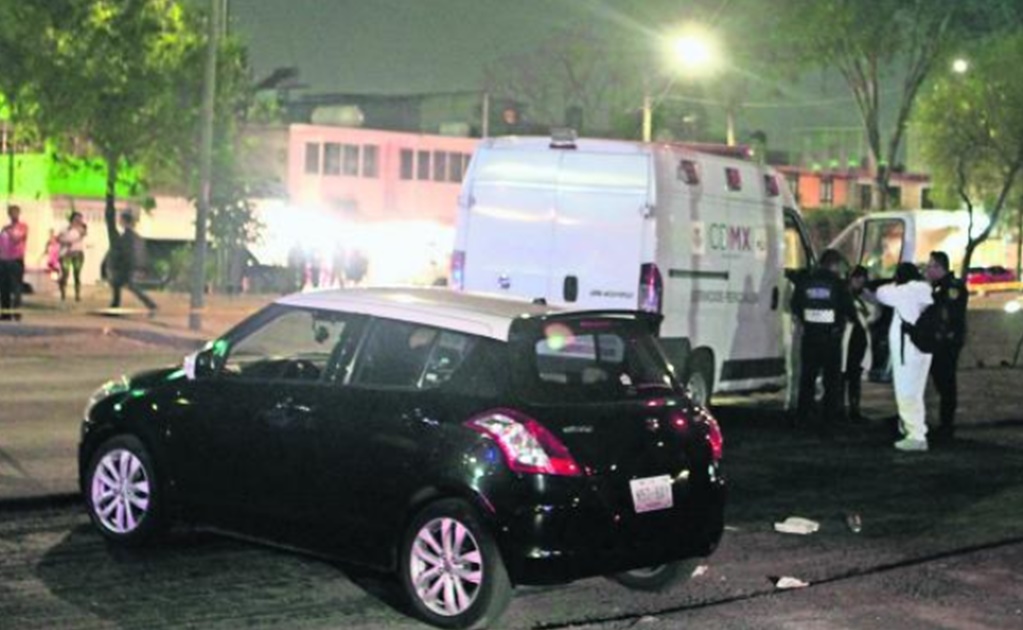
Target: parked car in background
[[468, 444], [978, 277]]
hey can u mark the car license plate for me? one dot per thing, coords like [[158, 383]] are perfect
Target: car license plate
[[651, 493]]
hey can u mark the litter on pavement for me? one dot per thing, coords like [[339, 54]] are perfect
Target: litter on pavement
[[787, 582], [797, 525]]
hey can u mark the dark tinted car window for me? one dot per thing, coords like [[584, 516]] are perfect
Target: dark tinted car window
[[593, 360], [297, 344], [403, 354]]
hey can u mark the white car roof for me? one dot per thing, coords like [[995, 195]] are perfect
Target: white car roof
[[476, 314]]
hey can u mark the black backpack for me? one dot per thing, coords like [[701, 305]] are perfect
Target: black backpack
[[931, 330]]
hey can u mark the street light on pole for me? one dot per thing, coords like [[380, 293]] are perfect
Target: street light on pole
[[693, 52]]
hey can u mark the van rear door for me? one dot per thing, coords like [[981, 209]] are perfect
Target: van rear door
[[508, 221], [602, 202]]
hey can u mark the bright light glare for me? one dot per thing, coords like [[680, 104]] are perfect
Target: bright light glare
[[960, 66], [1013, 307], [695, 51]]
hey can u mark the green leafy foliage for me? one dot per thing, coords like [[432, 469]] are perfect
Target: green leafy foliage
[[972, 128]]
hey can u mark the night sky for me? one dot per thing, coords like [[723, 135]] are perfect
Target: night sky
[[414, 46], [430, 46]]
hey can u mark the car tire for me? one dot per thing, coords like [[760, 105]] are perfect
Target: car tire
[[122, 492], [700, 381], [451, 569], [657, 578]]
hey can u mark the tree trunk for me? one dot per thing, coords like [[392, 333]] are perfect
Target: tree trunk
[[110, 209]]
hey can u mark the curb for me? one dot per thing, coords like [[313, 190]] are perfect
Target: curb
[[44, 502], [146, 336]]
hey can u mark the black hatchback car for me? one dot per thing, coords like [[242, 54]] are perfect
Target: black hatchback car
[[465, 443]]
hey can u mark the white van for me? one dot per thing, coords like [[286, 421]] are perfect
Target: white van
[[881, 240], [704, 238]]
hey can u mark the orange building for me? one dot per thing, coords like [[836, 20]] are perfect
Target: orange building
[[373, 175], [851, 188]]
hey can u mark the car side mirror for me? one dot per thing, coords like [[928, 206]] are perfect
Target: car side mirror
[[200, 364]]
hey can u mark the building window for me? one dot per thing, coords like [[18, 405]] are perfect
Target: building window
[[827, 191], [350, 163], [926, 202], [369, 160], [440, 166], [312, 158], [331, 158], [866, 192], [408, 160], [456, 168], [894, 197], [422, 165]]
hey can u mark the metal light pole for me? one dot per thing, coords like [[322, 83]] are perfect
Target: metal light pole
[[693, 52], [205, 169]]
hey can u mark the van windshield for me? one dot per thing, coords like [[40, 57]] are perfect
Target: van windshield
[[592, 360]]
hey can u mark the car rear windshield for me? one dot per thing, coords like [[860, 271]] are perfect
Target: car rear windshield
[[591, 359]]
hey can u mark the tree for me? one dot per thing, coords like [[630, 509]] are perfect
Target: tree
[[972, 128], [573, 68], [125, 76], [117, 73], [874, 43]]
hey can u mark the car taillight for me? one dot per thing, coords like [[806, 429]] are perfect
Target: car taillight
[[528, 446], [714, 437], [651, 288], [457, 279]]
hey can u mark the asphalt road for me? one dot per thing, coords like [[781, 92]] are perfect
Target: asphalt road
[[941, 547], [941, 544]]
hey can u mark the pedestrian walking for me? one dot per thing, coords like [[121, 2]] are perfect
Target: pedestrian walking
[[857, 340], [908, 296], [72, 254], [950, 298], [13, 238], [822, 304], [126, 259]]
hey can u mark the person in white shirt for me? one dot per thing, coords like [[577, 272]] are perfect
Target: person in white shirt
[[72, 254], [908, 296]]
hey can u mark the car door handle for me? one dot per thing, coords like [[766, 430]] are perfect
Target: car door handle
[[289, 414], [417, 415]]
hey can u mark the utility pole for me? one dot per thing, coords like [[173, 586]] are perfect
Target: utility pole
[[205, 169], [485, 116]]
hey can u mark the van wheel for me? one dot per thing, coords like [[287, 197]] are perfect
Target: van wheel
[[701, 378], [451, 569], [657, 578]]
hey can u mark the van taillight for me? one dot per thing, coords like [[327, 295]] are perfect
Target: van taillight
[[457, 279], [528, 446], [651, 288]]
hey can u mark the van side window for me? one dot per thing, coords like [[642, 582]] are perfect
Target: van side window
[[688, 172], [771, 185], [733, 178], [882, 246], [797, 249]]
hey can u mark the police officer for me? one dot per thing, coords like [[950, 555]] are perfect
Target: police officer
[[822, 303], [857, 340], [951, 297]]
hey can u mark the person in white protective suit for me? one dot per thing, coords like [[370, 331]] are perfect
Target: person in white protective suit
[[908, 296]]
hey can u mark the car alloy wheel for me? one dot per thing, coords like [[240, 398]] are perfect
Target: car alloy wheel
[[452, 570], [122, 495]]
